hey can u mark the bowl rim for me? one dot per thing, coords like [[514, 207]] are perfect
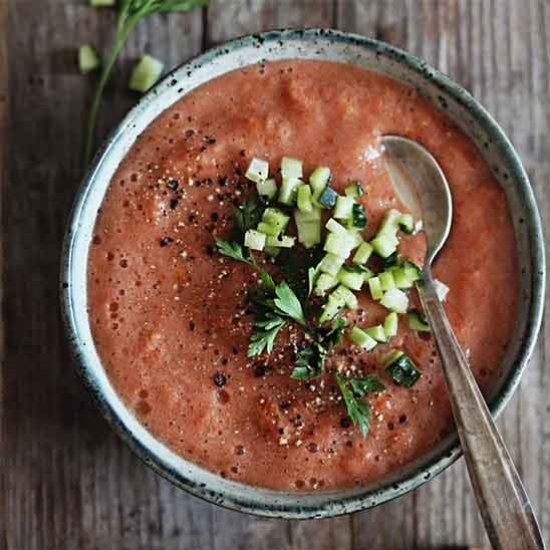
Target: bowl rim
[[427, 468]]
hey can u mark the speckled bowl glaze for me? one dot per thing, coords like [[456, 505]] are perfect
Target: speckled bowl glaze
[[304, 44]]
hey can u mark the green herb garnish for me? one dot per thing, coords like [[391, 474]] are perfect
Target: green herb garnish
[[366, 384], [309, 362], [265, 332], [247, 216], [288, 304], [353, 391], [130, 12], [358, 409], [234, 251]]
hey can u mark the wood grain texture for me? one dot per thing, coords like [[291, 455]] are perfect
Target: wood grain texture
[[69, 482]]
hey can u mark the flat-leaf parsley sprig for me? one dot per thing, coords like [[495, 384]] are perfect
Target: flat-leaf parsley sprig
[[130, 12], [274, 303]]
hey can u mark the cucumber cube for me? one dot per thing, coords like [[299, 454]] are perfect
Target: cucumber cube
[[145, 74]]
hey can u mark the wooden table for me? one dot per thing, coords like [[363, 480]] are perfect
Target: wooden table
[[69, 482]]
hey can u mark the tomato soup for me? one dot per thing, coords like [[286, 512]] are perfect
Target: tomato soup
[[169, 313]]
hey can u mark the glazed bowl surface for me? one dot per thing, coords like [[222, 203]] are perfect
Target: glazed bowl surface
[[318, 44]]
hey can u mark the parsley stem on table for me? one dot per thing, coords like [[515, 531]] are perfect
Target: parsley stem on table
[[130, 12]]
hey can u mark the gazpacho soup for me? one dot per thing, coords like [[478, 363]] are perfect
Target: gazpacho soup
[[251, 279]]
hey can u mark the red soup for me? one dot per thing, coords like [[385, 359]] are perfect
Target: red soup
[[172, 318]]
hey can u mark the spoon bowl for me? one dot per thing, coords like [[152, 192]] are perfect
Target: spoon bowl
[[422, 187]]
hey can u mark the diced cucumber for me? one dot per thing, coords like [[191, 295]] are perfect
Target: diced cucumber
[[406, 275], [387, 281], [291, 168], [309, 226], [276, 218], [441, 289], [350, 277], [391, 324], [363, 254], [319, 179], [328, 197], [347, 295], [289, 190], [384, 244], [355, 190], [145, 74], [400, 278], [367, 273], [102, 3], [358, 216], [417, 321], [355, 236], [412, 271], [88, 59], [392, 356], [390, 222], [334, 227], [361, 338], [331, 264], [254, 240], [395, 300], [377, 332], [267, 188], [334, 305], [304, 198], [257, 171], [344, 207], [406, 223], [401, 368], [268, 229], [338, 245], [324, 283], [283, 241], [375, 288]]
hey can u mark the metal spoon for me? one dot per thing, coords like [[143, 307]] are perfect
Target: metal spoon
[[505, 508]]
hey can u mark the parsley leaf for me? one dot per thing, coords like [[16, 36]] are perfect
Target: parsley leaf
[[309, 362], [368, 384], [266, 330], [247, 216], [358, 410], [232, 250], [353, 392], [335, 335], [274, 303], [295, 265], [288, 304]]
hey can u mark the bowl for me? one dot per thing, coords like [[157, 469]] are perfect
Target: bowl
[[324, 44]]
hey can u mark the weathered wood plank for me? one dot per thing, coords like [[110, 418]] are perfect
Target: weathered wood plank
[[70, 483], [4, 79]]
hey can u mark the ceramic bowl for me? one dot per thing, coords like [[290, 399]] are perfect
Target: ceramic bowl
[[304, 44]]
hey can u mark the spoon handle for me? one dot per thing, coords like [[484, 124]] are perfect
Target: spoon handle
[[501, 497]]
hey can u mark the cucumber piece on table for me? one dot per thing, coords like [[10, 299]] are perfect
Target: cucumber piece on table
[[145, 74], [88, 59]]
